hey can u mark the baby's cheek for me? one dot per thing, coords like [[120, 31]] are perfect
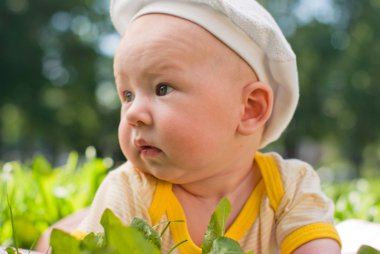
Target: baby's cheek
[[190, 140], [124, 135]]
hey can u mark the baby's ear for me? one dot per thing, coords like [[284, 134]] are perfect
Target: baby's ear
[[256, 108]]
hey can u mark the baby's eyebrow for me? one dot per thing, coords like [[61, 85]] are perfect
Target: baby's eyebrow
[[167, 66], [156, 68], [119, 77], [150, 72]]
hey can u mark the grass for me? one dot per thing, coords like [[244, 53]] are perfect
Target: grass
[[358, 199], [41, 194]]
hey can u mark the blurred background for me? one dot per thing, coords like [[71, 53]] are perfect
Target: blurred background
[[57, 96], [57, 89]]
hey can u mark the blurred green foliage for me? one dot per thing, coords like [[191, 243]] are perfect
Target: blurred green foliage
[[57, 88], [41, 195], [337, 43], [358, 199]]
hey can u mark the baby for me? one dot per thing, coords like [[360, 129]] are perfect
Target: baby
[[203, 85]]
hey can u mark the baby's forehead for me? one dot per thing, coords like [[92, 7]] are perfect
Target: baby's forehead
[[165, 26], [162, 32], [160, 43], [172, 31]]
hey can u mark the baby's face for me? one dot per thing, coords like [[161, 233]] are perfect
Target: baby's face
[[180, 96]]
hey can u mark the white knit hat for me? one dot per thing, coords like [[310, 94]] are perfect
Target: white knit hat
[[248, 29]]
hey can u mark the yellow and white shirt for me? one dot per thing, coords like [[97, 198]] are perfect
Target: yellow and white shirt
[[285, 210]]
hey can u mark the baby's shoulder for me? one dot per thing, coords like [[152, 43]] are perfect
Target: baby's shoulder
[[298, 178], [293, 170]]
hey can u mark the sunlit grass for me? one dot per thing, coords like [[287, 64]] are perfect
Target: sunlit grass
[[356, 199], [41, 194]]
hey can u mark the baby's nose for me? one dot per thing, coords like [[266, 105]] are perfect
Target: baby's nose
[[138, 114]]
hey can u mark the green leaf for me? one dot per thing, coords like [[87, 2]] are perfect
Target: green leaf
[[109, 219], [216, 227], [365, 249], [123, 239], [72, 162], [63, 243], [32, 247], [176, 246], [168, 224], [25, 230], [13, 225], [94, 242], [225, 245], [48, 198], [41, 166], [10, 250], [149, 233]]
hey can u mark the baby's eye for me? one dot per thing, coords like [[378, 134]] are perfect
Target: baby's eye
[[128, 96], [163, 89]]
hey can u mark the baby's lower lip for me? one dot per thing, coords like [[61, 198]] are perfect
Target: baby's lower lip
[[149, 151]]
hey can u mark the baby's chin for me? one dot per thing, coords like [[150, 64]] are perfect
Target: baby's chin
[[164, 173], [150, 172], [167, 177]]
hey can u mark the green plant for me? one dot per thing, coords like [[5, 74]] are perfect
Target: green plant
[[14, 250], [367, 250], [141, 238], [9, 249], [41, 194], [358, 199]]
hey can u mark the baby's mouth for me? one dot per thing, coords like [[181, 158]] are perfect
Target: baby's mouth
[[146, 150], [149, 151]]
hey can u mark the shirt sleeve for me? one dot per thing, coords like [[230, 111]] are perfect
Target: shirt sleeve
[[305, 213]]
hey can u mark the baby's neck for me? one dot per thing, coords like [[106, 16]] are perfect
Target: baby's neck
[[224, 185], [199, 200]]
